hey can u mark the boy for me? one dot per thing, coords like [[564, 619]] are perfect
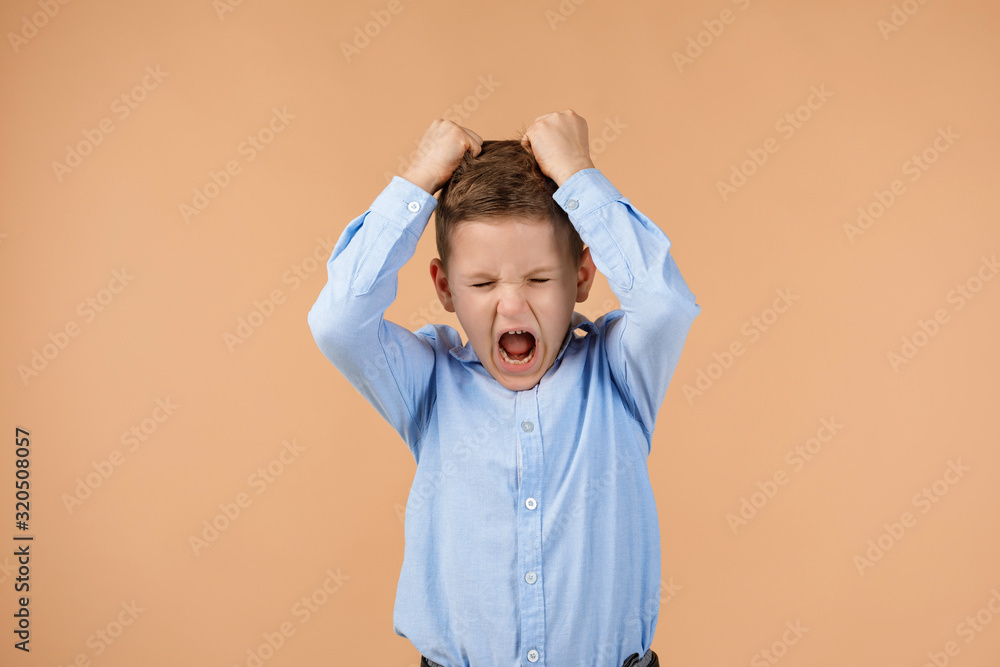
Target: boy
[[531, 529]]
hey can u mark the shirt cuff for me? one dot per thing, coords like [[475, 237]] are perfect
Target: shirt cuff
[[584, 191], [581, 196], [405, 203]]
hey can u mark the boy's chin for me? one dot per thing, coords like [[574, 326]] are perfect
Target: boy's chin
[[516, 382]]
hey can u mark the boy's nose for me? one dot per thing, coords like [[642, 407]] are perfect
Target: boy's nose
[[512, 303]]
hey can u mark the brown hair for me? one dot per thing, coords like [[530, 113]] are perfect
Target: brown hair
[[503, 180]]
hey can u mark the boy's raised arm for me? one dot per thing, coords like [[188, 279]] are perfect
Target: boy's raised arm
[[644, 345], [389, 365]]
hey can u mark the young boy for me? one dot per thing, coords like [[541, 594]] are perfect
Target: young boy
[[531, 529]]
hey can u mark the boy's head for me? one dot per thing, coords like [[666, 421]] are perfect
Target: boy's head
[[510, 260]]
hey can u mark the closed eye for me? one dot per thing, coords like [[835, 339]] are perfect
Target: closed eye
[[534, 280]]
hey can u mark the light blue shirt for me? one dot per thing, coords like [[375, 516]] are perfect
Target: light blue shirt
[[531, 529]]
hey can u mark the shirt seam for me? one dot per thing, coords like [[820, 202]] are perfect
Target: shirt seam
[[403, 399]]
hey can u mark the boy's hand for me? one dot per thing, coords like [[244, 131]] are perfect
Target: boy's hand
[[441, 149], [559, 143]]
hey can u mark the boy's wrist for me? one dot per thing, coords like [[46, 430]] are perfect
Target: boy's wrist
[[421, 181], [567, 172]]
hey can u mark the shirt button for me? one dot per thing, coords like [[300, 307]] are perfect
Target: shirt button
[[414, 206], [527, 426], [530, 503], [532, 655], [571, 204], [530, 577]]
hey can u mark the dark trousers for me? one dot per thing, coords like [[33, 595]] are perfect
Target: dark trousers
[[633, 659]]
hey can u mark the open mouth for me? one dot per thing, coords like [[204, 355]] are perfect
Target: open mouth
[[517, 347]]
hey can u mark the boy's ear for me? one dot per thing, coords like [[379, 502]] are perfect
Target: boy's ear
[[585, 275], [441, 285]]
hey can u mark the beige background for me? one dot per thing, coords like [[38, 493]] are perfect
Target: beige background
[[671, 131]]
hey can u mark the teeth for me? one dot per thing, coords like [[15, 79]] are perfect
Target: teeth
[[515, 362]]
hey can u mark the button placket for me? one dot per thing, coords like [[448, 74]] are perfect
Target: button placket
[[529, 524]]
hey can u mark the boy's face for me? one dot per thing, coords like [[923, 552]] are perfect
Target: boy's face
[[513, 274]]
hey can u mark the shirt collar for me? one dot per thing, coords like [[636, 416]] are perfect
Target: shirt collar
[[466, 354]]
